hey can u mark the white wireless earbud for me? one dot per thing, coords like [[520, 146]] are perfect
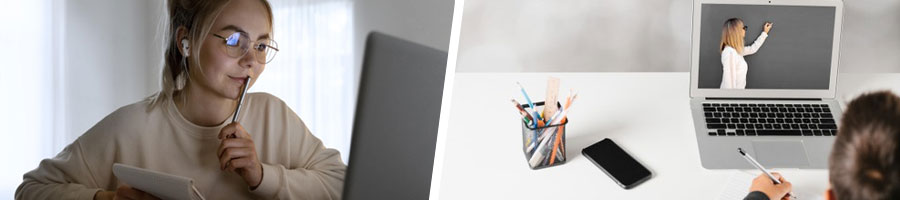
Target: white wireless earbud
[[186, 46]]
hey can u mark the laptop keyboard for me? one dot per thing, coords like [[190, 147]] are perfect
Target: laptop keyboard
[[733, 119]]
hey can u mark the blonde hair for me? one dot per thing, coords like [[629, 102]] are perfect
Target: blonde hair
[[731, 35], [197, 17]]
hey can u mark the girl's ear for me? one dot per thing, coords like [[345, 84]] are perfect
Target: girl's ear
[[185, 47], [184, 44]]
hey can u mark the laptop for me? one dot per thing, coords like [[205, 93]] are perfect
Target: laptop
[[396, 122], [786, 115]]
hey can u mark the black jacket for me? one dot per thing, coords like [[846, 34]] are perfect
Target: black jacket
[[756, 195]]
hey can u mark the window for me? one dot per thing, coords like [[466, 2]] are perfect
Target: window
[[313, 72]]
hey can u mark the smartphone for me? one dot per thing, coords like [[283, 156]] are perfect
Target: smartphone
[[616, 163]]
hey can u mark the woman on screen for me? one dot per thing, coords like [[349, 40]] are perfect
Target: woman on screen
[[734, 67]]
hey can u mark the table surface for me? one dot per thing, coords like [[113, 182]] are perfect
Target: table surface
[[647, 114]]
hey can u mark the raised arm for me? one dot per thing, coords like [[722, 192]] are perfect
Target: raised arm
[[753, 48]]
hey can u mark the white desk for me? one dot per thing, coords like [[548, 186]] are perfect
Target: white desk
[[647, 114]]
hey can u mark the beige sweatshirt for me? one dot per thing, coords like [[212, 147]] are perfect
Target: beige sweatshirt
[[295, 163]]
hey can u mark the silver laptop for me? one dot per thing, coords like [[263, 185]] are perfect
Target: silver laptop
[[780, 106], [396, 122]]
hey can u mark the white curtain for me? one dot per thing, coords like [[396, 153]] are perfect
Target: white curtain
[[313, 71], [29, 102]]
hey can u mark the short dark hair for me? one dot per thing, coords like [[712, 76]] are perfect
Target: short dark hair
[[865, 159]]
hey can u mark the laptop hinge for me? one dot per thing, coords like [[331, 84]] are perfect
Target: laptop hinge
[[778, 99]]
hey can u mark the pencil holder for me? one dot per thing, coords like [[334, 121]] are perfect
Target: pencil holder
[[544, 146]]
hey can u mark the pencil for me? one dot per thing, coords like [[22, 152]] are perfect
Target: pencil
[[530, 104], [556, 144], [559, 131]]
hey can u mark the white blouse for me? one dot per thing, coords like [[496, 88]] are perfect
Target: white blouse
[[734, 67]]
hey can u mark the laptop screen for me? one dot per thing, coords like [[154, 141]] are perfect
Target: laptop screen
[[797, 53]]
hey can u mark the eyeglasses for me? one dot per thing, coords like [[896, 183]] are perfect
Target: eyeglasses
[[745, 28], [237, 45]]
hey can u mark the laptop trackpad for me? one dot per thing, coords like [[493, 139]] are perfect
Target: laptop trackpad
[[781, 154]]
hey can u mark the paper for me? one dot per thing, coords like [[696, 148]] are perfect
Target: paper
[[161, 185], [738, 186]]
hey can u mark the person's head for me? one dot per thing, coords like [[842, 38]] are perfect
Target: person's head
[[865, 159], [733, 34], [213, 44]]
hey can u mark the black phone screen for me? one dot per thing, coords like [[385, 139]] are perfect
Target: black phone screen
[[626, 171]]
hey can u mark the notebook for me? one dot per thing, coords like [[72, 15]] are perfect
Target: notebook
[[162, 185]]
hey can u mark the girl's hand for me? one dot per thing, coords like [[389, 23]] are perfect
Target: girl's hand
[[237, 154], [765, 185], [767, 27]]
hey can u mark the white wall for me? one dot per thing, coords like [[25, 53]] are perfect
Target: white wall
[[646, 35], [871, 40], [113, 57], [425, 22]]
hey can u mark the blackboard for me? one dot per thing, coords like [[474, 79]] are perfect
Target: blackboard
[[796, 55]]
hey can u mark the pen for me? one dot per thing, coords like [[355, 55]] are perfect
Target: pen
[[531, 105], [528, 119], [761, 168], [558, 119], [559, 130], [237, 110], [539, 152]]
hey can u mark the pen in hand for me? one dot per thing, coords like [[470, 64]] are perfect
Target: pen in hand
[[763, 169], [237, 110]]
